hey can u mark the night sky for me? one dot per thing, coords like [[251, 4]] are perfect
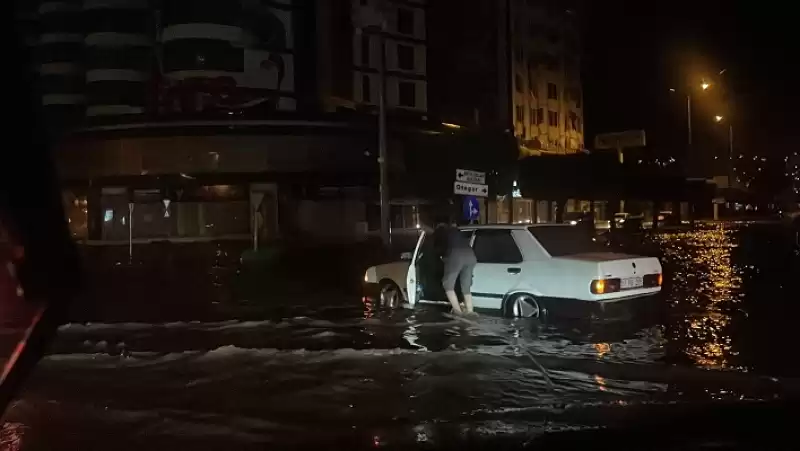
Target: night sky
[[635, 51]]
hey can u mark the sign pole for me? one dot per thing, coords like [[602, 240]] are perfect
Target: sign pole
[[255, 202], [621, 156], [130, 231], [255, 230]]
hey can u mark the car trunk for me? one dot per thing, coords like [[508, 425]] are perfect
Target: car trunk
[[609, 265]]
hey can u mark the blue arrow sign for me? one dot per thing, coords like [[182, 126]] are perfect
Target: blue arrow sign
[[472, 209]]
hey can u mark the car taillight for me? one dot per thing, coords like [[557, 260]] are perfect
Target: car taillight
[[603, 286], [653, 280]]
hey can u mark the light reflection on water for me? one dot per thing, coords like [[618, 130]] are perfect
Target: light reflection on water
[[706, 286], [395, 374]]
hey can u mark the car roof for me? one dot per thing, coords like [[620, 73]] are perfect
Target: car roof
[[510, 226]]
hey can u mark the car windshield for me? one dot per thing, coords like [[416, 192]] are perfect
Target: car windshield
[[238, 188], [560, 241]]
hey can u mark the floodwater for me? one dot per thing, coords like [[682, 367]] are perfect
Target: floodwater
[[333, 371]]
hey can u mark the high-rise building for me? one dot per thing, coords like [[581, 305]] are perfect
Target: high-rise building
[[182, 118], [230, 55], [548, 99], [59, 57], [509, 64], [350, 54], [118, 52]]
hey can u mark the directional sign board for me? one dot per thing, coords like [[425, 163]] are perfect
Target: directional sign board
[[472, 208], [471, 189], [464, 175], [621, 140]]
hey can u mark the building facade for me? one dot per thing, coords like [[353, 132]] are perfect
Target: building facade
[[511, 64], [545, 75], [119, 45], [59, 57], [350, 54], [180, 119]]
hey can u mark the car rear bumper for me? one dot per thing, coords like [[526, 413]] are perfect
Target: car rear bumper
[[624, 295], [576, 308]]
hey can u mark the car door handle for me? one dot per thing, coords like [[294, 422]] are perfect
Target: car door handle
[[514, 270]]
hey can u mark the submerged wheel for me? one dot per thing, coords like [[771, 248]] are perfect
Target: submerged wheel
[[390, 296], [522, 305]]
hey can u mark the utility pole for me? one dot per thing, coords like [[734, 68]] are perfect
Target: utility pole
[[372, 17], [386, 233]]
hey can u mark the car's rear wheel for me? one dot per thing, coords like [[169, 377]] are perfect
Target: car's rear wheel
[[390, 295], [522, 305]]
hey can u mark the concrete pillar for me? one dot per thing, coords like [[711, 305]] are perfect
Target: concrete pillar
[[561, 205], [716, 211]]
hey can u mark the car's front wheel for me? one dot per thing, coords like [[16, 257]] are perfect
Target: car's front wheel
[[390, 295], [522, 305]]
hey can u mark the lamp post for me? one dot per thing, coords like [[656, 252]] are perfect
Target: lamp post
[[719, 119], [704, 86]]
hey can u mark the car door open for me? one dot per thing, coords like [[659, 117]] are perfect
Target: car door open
[[411, 276]]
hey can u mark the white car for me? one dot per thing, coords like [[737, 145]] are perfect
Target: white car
[[520, 267]]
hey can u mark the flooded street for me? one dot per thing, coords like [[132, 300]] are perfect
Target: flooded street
[[334, 370]]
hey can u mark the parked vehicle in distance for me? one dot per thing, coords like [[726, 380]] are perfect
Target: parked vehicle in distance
[[520, 268], [577, 217]]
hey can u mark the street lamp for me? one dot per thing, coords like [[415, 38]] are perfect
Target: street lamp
[[704, 86], [718, 119]]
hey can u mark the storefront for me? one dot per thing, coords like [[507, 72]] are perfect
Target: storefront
[[221, 186]]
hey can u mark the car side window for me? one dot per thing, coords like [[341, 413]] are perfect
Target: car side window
[[496, 246]]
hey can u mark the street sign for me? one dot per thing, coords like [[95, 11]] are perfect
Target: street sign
[[464, 175], [471, 189], [472, 208], [621, 140]]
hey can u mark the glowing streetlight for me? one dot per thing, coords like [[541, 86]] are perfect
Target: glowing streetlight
[[718, 118], [705, 85]]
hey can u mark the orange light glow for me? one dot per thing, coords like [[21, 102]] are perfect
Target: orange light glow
[[660, 279], [600, 286]]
